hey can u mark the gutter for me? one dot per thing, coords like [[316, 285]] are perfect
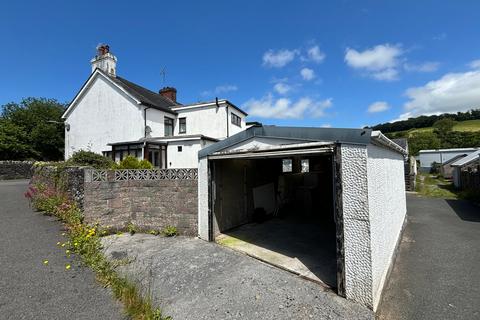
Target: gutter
[[381, 139]]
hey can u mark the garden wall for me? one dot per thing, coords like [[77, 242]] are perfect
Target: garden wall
[[149, 199], [15, 170]]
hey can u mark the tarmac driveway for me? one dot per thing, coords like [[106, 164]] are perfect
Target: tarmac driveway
[[192, 280], [30, 289], [437, 272]]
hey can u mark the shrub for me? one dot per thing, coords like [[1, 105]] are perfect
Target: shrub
[[169, 231], [91, 159], [435, 168], [131, 162]]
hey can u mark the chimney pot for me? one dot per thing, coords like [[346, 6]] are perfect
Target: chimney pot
[[169, 93]]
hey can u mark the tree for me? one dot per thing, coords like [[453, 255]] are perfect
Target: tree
[[32, 129], [444, 125], [423, 140]]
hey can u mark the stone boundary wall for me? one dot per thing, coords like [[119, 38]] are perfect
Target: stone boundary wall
[[69, 180], [16, 169], [149, 199]]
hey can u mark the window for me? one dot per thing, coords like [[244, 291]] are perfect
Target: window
[[236, 120], [168, 123], [182, 125], [305, 165], [179, 148], [287, 165]]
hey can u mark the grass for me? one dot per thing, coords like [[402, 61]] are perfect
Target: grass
[[464, 126], [430, 185], [84, 240], [469, 125]]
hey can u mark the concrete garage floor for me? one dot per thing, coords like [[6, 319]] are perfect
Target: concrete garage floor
[[191, 279], [305, 249]]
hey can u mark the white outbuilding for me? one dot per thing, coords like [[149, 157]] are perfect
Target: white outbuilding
[[330, 200]]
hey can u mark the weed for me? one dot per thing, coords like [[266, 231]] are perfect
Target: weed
[[84, 240], [131, 228], [169, 231]]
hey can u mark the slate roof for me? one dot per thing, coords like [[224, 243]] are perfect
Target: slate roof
[[145, 96], [402, 142], [474, 156]]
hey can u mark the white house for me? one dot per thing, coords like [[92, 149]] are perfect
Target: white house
[[115, 117], [339, 193]]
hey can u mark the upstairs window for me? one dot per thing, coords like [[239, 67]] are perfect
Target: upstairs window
[[168, 124], [236, 120], [182, 125]]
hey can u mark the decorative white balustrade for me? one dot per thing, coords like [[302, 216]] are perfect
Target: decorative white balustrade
[[94, 175]]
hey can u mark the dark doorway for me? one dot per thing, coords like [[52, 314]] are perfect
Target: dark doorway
[[279, 210]]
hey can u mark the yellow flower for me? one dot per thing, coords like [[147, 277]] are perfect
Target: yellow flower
[[63, 244], [58, 243], [68, 266], [45, 262], [63, 233], [67, 251]]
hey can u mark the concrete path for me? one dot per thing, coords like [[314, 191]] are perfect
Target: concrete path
[[29, 289], [437, 272], [191, 279]]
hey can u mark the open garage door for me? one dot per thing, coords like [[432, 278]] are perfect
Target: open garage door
[[278, 208]]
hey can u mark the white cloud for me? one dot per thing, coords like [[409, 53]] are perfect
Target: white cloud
[[315, 54], [282, 88], [220, 90], [378, 106], [279, 58], [284, 108], [422, 67], [307, 74], [475, 64], [326, 125], [451, 93], [380, 62]]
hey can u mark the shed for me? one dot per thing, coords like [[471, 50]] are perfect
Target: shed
[[471, 161], [331, 199]]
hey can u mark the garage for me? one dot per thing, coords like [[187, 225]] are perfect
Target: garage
[[313, 201]]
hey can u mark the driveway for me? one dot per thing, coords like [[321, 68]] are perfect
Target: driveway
[[191, 279], [437, 271], [29, 289]]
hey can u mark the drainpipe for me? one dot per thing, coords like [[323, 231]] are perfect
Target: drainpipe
[[226, 108], [145, 121]]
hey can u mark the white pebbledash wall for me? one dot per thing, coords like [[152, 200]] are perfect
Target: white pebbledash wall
[[374, 209], [387, 210]]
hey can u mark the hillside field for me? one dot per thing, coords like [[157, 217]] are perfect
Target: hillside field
[[464, 126]]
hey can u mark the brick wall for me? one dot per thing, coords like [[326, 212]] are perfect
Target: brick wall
[[15, 170], [148, 203]]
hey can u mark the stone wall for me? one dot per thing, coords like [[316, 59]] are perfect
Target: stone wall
[[149, 199], [16, 170]]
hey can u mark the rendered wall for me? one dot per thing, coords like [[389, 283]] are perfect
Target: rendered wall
[[356, 224], [387, 210], [209, 121], [103, 115]]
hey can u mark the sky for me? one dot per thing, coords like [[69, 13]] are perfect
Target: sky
[[297, 63]]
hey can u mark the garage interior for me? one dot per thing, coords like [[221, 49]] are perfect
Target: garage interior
[[279, 209]]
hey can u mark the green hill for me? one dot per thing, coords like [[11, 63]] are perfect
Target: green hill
[[461, 126]]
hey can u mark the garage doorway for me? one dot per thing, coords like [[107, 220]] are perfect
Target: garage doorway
[[279, 209]]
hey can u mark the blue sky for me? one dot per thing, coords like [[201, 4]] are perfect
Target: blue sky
[[302, 63]]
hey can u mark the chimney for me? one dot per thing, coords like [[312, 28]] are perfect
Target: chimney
[[170, 93], [104, 60]]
